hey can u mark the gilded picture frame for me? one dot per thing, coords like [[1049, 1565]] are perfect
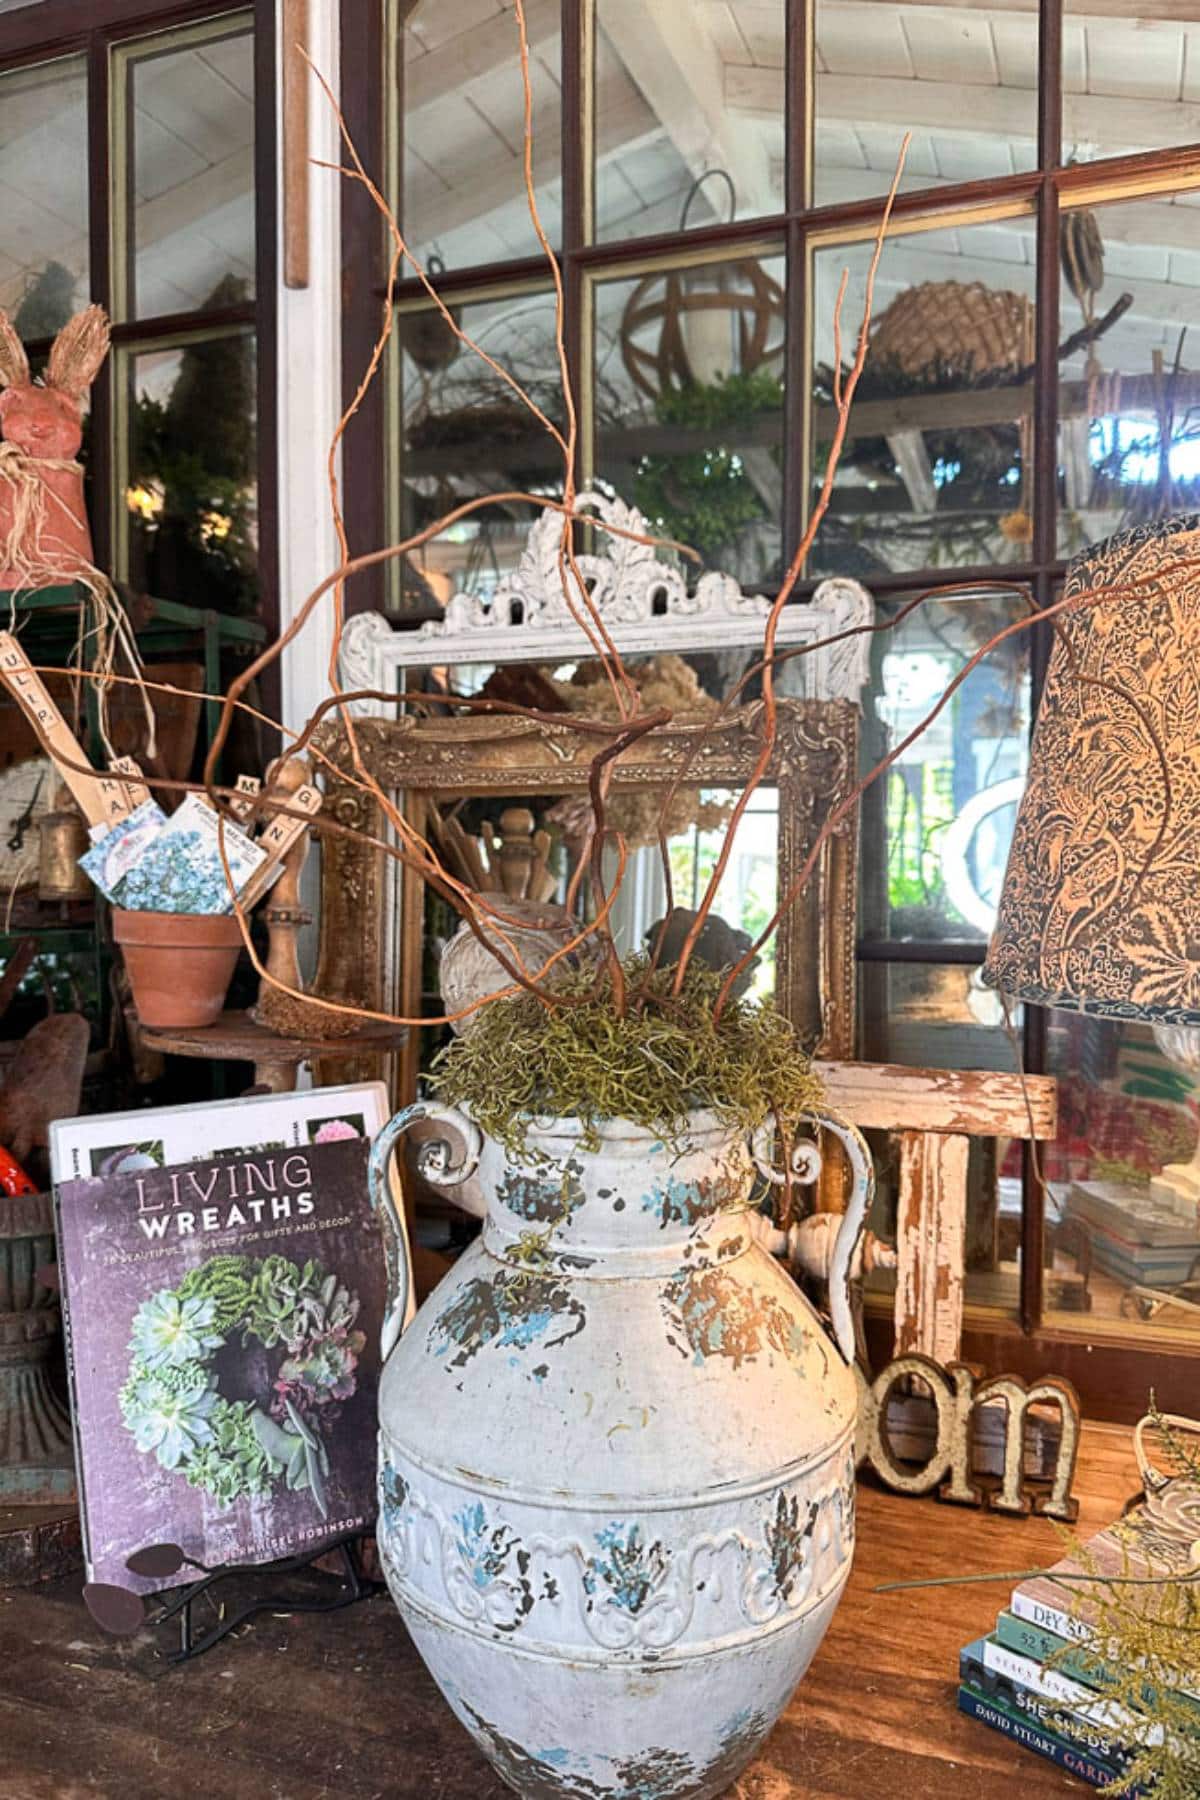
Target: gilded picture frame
[[372, 912]]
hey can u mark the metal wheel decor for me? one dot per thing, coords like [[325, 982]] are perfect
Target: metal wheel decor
[[752, 299], [682, 302]]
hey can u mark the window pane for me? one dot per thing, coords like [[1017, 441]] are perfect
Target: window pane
[[937, 466], [44, 181], [191, 173], [1129, 83], [1122, 1219], [965, 83], [191, 499], [1129, 432], [934, 1016], [462, 176], [689, 407], [937, 827], [465, 433], [690, 89]]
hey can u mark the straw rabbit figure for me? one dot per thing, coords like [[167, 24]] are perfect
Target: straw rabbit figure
[[44, 534]]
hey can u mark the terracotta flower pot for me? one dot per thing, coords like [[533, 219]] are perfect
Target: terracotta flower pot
[[180, 964]]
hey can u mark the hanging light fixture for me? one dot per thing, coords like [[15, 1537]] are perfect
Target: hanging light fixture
[[713, 320], [1100, 909]]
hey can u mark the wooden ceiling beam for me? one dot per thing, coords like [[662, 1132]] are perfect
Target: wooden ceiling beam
[[969, 109], [675, 62], [433, 210], [485, 49], [1169, 12]]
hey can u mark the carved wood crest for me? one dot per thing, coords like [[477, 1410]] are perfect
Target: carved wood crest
[[647, 603]]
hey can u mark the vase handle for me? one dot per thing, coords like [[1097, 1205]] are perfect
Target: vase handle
[[434, 1162], [806, 1166]]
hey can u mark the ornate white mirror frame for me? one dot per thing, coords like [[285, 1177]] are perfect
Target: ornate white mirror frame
[[647, 607]]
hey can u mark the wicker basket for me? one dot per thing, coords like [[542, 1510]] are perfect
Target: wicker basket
[[957, 325]]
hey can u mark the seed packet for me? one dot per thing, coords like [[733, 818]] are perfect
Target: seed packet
[[113, 854], [180, 870]]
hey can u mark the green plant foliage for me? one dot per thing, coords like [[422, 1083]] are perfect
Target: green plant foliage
[[226, 1281], [1144, 1647], [199, 445], [1143, 1651], [705, 497], [233, 1463], [233, 1449], [521, 1058]]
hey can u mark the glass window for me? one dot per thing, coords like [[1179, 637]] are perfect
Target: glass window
[[189, 162], [688, 393], [1129, 432], [964, 82], [463, 432], [936, 836], [1129, 83], [462, 153], [190, 515], [937, 466], [44, 189], [935, 1015], [689, 114], [1123, 1194]]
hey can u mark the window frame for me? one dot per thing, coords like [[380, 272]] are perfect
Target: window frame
[[98, 29], [1113, 1372]]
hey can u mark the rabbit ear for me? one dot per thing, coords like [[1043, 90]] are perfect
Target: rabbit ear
[[14, 364], [78, 351]]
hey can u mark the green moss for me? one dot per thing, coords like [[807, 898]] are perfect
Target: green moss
[[520, 1058]]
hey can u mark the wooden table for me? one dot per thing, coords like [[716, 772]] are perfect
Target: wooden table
[[340, 1708], [237, 1037]]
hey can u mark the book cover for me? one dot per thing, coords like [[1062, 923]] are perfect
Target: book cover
[[1151, 1542], [1075, 1660], [222, 1322], [1079, 1701], [1043, 1743], [155, 1136], [1046, 1714]]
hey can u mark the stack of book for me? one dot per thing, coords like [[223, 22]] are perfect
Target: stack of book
[[1136, 1234], [1038, 1677]]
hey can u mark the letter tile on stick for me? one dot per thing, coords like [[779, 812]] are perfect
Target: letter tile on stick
[[101, 799]]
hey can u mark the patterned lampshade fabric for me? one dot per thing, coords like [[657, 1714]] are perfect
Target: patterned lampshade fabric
[[1100, 909]]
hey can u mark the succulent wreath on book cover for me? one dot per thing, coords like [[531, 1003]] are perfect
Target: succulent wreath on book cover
[[235, 1448]]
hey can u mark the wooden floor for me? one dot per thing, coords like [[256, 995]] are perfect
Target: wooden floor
[[339, 1708]]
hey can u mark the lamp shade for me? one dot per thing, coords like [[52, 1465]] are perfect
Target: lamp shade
[[1100, 908]]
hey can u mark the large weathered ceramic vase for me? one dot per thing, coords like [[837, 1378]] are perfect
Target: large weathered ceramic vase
[[616, 1457]]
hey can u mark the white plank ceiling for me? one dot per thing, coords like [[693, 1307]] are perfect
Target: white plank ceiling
[[682, 86], [191, 175]]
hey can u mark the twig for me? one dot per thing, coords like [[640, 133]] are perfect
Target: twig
[[845, 400]]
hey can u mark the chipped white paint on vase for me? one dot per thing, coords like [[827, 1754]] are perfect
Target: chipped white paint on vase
[[616, 1457]]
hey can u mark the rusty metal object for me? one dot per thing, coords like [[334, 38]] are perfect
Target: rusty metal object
[[44, 1083], [62, 840], [37, 1466]]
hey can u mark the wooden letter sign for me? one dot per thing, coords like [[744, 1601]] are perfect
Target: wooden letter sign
[[956, 1396]]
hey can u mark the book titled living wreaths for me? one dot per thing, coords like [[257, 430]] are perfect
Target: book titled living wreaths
[[222, 1322]]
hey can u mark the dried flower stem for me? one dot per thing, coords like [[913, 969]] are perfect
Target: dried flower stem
[[844, 396]]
